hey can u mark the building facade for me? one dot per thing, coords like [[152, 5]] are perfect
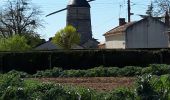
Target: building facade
[[146, 33]]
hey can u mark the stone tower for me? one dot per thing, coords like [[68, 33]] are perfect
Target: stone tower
[[78, 15]]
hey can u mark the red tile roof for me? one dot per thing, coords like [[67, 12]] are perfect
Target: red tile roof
[[119, 29]]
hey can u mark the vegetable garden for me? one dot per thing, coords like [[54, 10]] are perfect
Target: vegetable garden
[[150, 83]]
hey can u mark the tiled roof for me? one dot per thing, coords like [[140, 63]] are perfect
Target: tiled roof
[[47, 46], [51, 46], [119, 29]]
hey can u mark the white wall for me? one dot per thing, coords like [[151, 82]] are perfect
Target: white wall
[[115, 41], [148, 33]]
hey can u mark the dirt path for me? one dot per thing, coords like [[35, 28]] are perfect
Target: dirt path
[[97, 83]]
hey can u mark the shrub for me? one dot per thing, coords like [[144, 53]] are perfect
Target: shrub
[[19, 73], [96, 72], [160, 69], [121, 94], [130, 71], [15, 93], [146, 70], [14, 43], [145, 88], [86, 94], [73, 73], [55, 72], [113, 71]]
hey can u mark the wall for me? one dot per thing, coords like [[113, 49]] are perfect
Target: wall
[[147, 33], [115, 41]]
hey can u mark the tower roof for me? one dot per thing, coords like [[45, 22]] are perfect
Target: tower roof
[[78, 3]]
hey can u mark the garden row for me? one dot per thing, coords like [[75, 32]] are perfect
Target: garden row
[[129, 71], [30, 62], [148, 87]]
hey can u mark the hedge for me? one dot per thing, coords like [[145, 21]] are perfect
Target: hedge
[[80, 59]]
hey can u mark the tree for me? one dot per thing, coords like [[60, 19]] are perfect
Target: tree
[[34, 41], [19, 17], [149, 11], [161, 6], [67, 37], [14, 43]]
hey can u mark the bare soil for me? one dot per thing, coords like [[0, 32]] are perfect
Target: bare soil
[[96, 83]]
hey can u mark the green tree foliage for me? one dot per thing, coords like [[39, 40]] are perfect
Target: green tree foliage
[[19, 17], [67, 37], [34, 40], [14, 43], [22, 18]]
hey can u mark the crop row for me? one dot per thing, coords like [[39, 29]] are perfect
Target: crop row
[[148, 87], [130, 71]]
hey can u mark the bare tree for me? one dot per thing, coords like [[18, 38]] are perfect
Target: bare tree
[[161, 6], [19, 17]]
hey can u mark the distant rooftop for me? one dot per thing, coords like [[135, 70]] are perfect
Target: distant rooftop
[[119, 29]]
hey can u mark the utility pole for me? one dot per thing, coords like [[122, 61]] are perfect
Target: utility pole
[[129, 13]]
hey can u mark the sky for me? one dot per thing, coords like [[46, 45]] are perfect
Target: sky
[[104, 15]]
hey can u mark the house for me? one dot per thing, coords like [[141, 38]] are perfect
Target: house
[[146, 33]]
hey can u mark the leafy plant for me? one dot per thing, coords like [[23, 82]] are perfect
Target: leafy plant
[[14, 43], [145, 89], [130, 71], [121, 94], [55, 72], [67, 37], [160, 69]]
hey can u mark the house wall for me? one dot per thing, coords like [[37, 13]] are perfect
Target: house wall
[[148, 33], [115, 41]]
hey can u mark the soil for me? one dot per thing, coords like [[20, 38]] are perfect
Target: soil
[[96, 83]]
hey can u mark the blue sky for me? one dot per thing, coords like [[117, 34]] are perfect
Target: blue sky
[[104, 15]]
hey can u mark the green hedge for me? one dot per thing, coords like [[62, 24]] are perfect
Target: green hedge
[[30, 62]]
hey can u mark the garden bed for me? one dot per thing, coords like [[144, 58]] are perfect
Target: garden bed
[[96, 83]]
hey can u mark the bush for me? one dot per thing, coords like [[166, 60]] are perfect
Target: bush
[[96, 72], [73, 73], [113, 71], [160, 69], [14, 43], [145, 89], [55, 72], [121, 94], [19, 73], [130, 71], [30, 62]]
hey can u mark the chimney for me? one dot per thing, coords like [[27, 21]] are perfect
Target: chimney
[[122, 21], [167, 18]]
